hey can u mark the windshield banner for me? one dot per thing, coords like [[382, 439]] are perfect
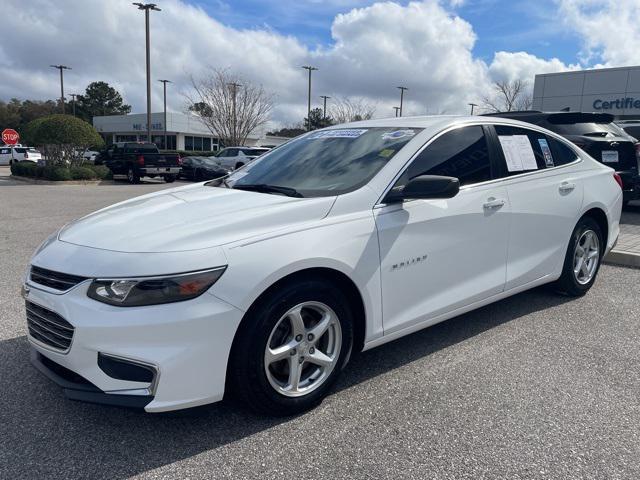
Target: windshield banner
[[338, 133]]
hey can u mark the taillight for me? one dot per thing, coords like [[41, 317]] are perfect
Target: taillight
[[179, 161], [618, 179], [140, 160], [26, 155]]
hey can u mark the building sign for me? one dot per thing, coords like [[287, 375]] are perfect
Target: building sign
[[619, 103], [154, 126]]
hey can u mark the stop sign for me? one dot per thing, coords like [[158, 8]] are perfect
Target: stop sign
[[10, 136]]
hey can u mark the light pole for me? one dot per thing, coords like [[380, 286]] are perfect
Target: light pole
[[396, 110], [324, 106], [234, 92], [311, 69], [146, 7], [61, 68], [472, 105], [402, 89], [73, 102], [164, 121]]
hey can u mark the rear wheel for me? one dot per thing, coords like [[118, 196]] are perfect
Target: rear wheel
[[170, 178], [132, 176], [292, 348], [582, 260]]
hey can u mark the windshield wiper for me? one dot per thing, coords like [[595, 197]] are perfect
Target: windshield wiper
[[265, 188]]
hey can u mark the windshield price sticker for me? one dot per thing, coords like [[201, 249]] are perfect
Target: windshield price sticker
[[398, 134], [338, 133]]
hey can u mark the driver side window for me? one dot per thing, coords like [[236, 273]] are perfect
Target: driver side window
[[462, 153]]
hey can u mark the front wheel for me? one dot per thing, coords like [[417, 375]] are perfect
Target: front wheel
[[291, 348], [582, 260]]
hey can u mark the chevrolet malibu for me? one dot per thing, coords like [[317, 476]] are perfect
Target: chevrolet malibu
[[263, 284]]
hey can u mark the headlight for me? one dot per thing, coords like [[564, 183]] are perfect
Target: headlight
[[136, 292]]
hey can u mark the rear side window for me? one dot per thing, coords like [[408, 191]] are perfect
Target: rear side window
[[460, 153], [561, 153], [20, 150], [524, 150]]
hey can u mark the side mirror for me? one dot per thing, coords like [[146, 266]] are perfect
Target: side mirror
[[425, 187]]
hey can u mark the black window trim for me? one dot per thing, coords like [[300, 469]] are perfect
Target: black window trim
[[494, 156]]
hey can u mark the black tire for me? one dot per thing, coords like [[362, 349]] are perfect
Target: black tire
[[568, 283], [246, 377], [170, 178], [197, 176], [133, 176], [239, 164]]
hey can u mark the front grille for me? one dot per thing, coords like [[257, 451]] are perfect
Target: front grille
[[55, 280], [48, 327]]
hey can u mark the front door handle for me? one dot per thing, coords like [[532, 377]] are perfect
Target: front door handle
[[493, 203], [566, 187]]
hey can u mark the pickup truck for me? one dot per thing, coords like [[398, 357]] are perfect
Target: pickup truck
[[133, 160]]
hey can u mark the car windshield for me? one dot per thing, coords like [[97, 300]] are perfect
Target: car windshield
[[254, 152], [327, 162]]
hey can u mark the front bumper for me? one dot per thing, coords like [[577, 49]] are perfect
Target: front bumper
[[186, 344]]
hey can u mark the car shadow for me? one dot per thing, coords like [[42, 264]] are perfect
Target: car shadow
[[44, 435]]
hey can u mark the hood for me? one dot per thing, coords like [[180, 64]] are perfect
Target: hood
[[191, 218]]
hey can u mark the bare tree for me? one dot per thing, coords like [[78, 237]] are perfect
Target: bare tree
[[344, 109], [232, 108], [508, 96]]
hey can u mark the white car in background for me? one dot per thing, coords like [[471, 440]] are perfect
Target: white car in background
[[264, 283], [236, 157], [18, 153]]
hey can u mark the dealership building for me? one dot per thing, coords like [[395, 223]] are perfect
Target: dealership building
[[608, 90], [184, 132]]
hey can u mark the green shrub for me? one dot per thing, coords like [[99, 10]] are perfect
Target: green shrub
[[56, 173], [82, 173], [100, 171], [61, 130], [24, 169]]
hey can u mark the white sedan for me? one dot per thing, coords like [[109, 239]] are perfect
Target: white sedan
[[262, 285]]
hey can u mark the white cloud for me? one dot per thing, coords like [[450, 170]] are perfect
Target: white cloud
[[420, 45], [610, 29], [524, 66]]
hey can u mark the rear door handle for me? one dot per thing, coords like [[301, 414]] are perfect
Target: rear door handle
[[493, 203], [567, 187]]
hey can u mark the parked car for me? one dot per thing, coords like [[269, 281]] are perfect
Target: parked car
[[236, 157], [599, 136], [133, 160], [263, 284], [18, 153], [90, 155], [202, 168]]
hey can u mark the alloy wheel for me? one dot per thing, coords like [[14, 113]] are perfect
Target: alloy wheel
[[303, 349], [586, 257]]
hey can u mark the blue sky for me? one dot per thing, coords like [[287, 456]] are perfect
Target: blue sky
[[512, 25]]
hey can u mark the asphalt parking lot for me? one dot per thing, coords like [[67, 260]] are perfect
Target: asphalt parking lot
[[535, 386]]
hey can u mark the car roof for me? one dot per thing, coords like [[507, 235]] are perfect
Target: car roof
[[555, 118]]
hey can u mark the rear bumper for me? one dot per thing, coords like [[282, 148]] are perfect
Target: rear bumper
[[76, 387], [160, 170]]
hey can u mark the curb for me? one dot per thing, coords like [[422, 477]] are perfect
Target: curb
[[621, 258], [37, 181]]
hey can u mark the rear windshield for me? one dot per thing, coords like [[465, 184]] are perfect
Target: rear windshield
[[589, 129], [141, 148]]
